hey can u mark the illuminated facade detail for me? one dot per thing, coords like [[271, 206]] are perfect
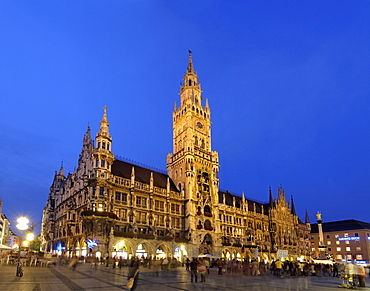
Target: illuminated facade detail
[[131, 210]]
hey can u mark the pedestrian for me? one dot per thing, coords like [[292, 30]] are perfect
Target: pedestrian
[[278, 267], [157, 266], [194, 270], [202, 270], [361, 274], [165, 264], [73, 263], [207, 264], [133, 273], [220, 265], [187, 264], [255, 268]]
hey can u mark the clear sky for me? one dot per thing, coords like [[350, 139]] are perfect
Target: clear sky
[[287, 83]]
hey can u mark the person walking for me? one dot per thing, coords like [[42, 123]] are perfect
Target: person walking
[[202, 270], [194, 270], [187, 264], [220, 265], [278, 268], [133, 273]]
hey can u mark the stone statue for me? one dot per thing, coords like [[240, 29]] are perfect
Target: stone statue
[[318, 215]]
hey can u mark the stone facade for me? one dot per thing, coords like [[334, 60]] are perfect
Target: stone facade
[[111, 206]]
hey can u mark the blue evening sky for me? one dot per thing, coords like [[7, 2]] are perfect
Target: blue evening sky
[[287, 83]]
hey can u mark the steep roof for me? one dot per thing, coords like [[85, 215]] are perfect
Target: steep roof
[[238, 202], [124, 169], [342, 225]]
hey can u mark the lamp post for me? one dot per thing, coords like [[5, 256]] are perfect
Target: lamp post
[[22, 225]]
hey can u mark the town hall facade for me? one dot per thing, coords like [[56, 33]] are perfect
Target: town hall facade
[[111, 206]]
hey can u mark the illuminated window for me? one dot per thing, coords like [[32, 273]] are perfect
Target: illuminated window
[[339, 257], [358, 249], [329, 243], [339, 249], [347, 242], [140, 201], [337, 242], [346, 235], [358, 257], [349, 257], [348, 249], [313, 249], [336, 236]]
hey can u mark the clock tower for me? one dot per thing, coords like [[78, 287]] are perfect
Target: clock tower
[[193, 166]]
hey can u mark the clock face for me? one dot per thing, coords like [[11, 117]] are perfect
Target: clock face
[[199, 125]]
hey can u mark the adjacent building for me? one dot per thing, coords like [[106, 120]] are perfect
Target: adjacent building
[[112, 206], [344, 240], [5, 232]]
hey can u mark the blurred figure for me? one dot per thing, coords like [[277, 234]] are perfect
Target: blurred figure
[[133, 272]]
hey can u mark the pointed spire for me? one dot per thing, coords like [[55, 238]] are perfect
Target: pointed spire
[[207, 105], [151, 180], [292, 206], [104, 125], [190, 68], [61, 171], [270, 198], [87, 136], [307, 218], [132, 176], [168, 185]]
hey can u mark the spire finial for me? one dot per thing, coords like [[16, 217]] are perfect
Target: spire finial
[[292, 205], [190, 62], [307, 218], [104, 125]]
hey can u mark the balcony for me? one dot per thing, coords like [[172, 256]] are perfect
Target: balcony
[[99, 213]]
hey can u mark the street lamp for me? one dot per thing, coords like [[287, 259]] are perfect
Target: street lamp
[[22, 225]]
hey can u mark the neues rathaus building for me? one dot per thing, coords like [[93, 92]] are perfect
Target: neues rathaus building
[[112, 206]]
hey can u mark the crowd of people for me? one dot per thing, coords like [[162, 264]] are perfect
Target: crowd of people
[[350, 273]]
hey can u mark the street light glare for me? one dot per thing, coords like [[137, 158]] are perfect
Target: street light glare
[[30, 236], [23, 220]]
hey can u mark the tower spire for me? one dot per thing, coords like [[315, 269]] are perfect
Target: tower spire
[[307, 218], [104, 125], [292, 206], [190, 68]]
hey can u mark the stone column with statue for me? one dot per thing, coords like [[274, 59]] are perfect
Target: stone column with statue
[[322, 247]]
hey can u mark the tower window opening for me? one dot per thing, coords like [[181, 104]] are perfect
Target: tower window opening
[[103, 145], [98, 145]]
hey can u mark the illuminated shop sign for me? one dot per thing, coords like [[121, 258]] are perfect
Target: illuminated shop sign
[[60, 247], [349, 238], [91, 243]]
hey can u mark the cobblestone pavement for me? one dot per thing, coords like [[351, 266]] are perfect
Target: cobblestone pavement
[[109, 279]]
